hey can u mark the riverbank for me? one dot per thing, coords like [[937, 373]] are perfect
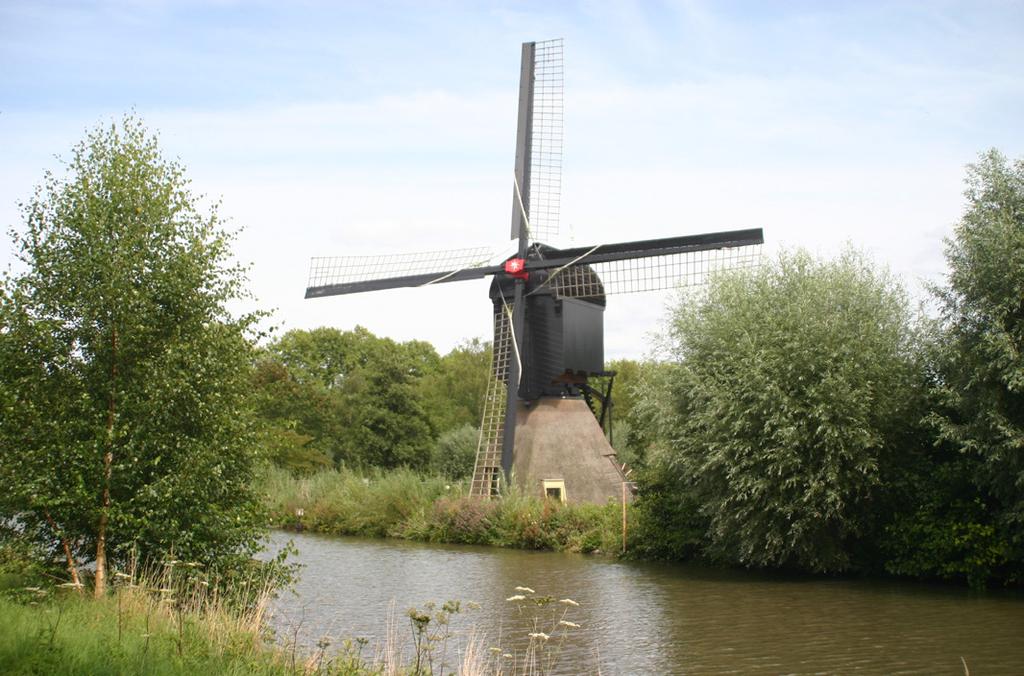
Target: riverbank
[[130, 632], [172, 624], [404, 504]]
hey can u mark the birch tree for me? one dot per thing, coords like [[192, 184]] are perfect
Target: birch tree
[[123, 419]]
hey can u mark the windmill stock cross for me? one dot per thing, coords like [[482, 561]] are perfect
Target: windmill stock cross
[[548, 306]]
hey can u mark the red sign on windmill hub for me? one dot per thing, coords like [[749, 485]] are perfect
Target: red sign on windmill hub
[[516, 267]]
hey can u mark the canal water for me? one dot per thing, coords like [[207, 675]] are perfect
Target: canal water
[[644, 618]]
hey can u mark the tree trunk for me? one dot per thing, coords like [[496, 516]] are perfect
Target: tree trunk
[[72, 568], [108, 461]]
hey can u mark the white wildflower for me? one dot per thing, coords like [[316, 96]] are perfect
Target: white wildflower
[[567, 623], [525, 589], [517, 597], [569, 602], [539, 634]]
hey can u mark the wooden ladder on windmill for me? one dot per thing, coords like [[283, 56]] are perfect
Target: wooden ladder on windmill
[[487, 473]]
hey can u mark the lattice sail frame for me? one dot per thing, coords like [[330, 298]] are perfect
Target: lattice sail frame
[[545, 189], [336, 270], [653, 273]]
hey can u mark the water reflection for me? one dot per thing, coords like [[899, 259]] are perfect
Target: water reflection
[[657, 619]]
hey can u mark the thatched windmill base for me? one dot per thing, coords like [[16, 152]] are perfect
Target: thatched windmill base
[[561, 452]]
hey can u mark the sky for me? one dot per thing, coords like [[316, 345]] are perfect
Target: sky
[[340, 128]]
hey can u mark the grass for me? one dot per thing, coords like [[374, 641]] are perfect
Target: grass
[[408, 505], [133, 631], [344, 502], [167, 620]]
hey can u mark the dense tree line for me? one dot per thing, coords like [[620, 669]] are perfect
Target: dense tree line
[[328, 397], [806, 416]]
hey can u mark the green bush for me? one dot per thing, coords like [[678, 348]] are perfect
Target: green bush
[[667, 522], [23, 563], [788, 388], [946, 530], [462, 520], [405, 504], [345, 502], [455, 453]]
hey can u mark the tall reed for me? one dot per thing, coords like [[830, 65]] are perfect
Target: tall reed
[[404, 504]]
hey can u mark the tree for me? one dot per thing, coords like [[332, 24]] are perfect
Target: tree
[[302, 422], [982, 360], [454, 453], [354, 394], [454, 390], [627, 442], [123, 418], [788, 389]]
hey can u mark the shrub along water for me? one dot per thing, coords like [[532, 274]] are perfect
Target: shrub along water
[[405, 504]]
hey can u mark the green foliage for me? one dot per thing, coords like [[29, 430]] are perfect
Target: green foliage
[[519, 522], [170, 619], [402, 503], [354, 396], [455, 453], [627, 374], [23, 563], [790, 387], [668, 523], [346, 502], [948, 540], [290, 449], [81, 637], [454, 391], [651, 417], [124, 374], [364, 401], [981, 363], [177, 631]]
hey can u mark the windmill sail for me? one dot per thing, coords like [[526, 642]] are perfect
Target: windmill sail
[[334, 276], [537, 189], [657, 273], [648, 265], [653, 272]]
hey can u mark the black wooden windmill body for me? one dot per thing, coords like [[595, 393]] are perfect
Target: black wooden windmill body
[[548, 308]]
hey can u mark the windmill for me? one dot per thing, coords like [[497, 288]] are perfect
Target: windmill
[[538, 424]]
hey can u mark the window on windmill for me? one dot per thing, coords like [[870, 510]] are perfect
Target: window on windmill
[[554, 489]]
